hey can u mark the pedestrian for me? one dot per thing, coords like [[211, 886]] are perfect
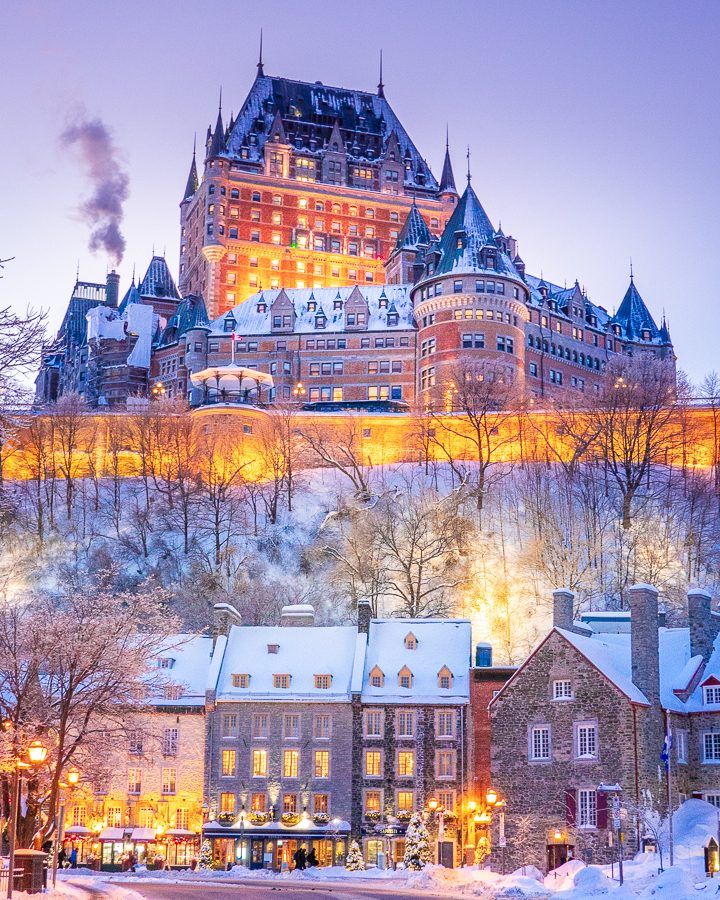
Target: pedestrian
[[62, 856], [73, 858], [300, 857], [312, 859]]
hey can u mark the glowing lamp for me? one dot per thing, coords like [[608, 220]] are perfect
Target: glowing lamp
[[73, 777], [491, 797], [433, 804], [558, 835], [472, 805], [37, 753], [477, 818]]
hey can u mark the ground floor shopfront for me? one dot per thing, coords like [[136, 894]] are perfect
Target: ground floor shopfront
[[274, 846], [116, 849]]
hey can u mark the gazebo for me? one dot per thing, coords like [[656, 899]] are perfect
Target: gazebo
[[231, 384]]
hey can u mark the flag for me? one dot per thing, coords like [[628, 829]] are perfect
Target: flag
[[667, 745]]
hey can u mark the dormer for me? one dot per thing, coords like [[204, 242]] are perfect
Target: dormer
[[357, 311], [405, 678], [377, 677], [282, 312], [383, 300], [445, 679], [711, 691], [229, 323], [273, 648], [410, 641]]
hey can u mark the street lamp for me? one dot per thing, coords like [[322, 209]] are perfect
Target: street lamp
[[37, 753], [73, 779], [435, 806], [158, 390], [299, 391]]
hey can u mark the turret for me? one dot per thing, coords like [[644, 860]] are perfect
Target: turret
[[192, 183], [447, 179], [217, 144]]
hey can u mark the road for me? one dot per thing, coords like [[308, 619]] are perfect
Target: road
[[252, 890]]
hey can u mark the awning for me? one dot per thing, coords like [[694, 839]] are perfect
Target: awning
[[305, 829], [76, 829], [112, 834], [181, 832], [143, 835], [231, 378]]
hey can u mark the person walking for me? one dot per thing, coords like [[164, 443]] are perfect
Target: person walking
[[73, 858], [312, 859], [300, 857]]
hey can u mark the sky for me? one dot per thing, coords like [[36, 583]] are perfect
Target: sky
[[594, 127]]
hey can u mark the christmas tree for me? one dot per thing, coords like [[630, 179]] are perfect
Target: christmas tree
[[354, 861], [417, 844], [206, 857]]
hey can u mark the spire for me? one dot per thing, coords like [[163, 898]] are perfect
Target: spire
[[631, 269], [469, 176], [634, 316], [192, 180], [447, 179], [414, 233], [218, 139], [381, 86], [260, 68]]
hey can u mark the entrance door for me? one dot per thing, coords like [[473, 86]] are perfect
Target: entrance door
[[256, 854], [558, 855]]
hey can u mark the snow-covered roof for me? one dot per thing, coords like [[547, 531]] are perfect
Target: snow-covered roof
[[183, 661], [302, 653], [439, 643], [136, 320], [611, 657], [158, 281], [254, 315], [634, 318]]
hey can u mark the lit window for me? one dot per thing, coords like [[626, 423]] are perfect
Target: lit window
[[259, 764], [373, 801], [241, 681], [322, 764], [229, 760], [373, 763], [405, 801], [289, 803], [257, 802], [290, 763], [227, 803], [406, 763]]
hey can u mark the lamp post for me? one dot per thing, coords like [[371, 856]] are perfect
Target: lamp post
[[36, 753], [299, 392], [158, 390], [73, 779], [435, 806]]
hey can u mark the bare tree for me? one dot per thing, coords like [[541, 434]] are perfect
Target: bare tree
[[339, 446]]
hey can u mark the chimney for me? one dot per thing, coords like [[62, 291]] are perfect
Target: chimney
[[112, 289], [483, 656], [563, 599], [297, 614], [704, 623], [364, 615], [224, 615], [644, 640]]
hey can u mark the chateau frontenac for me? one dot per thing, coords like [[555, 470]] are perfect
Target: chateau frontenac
[[318, 248]]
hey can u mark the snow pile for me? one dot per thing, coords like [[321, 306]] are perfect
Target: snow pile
[[563, 878], [672, 884]]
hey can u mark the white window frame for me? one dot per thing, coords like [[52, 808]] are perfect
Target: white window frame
[[714, 758], [448, 716], [711, 695], [591, 727], [406, 716], [449, 755], [380, 717], [537, 731], [681, 747], [586, 808], [559, 689]]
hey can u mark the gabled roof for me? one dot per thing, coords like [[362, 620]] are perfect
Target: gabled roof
[[191, 655], [309, 113], [414, 233], [157, 281], [634, 316], [466, 234]]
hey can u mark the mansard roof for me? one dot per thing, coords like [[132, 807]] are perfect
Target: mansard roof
[[414, 233], [157, 281], [309, 112], [191, 313], [634, 317], [466, 234]]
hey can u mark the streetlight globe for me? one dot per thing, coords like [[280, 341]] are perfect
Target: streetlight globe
[[37, 753], [73, 777], [472, 805], [433, 804], [491, 797]]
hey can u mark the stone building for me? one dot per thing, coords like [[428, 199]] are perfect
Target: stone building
[[150, 803], [589, 709], [318, 734]]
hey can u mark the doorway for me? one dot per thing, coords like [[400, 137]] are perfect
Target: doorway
[[558, 855]]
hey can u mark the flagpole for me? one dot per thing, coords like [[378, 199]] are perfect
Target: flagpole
[[668, 769], [232, 349]]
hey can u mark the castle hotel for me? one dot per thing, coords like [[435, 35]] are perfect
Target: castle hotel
[[319, 248]]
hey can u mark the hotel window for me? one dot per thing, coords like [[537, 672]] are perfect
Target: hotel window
[[405, 801], [254, 215], [445, 763], [562, 690], [231, 278], [260, 725], [241, 680], [323, 682], [170, 742], [711, 747], [586, 741], [540, 743], [427, 378], [291, 725], [259, 764], [321, 803], [457, 287], [474, 341], [445, 724], [373, 764], [253, 262], [533, 369], [134, 781], [373, 723], [373, 802], [405, 724], [321, 727], [275, 265], [290, 763], [228, 763], [234, 194], [227, 803], [255, 196], [169, 781], [322, 764], [281, 681], [427, 347], [257, 802], [229, 726], [255, 236], [289, 803], [500, 287], [406, 763], [276, 237], [587, 809]]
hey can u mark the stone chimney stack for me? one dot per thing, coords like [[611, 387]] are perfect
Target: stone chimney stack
[[224, 615], [644, 640], [297, 614], [563, 600], [112, 289], [364, 615], [704, 623]]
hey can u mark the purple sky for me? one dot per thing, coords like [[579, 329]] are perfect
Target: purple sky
[[594, 126]]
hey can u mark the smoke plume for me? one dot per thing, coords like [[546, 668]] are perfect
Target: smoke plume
[[103, 209]]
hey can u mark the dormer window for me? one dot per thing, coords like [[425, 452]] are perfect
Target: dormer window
[[405, 678], [410, 641], [273, 648], [241, 680], [229, 324], [320, 321], [377, 677], [262, 307], [445, 679], [281, 681], [323, 682], [393, 319], [337, 304], [711, 694], [165, 662], [312, 305], [383, 303]]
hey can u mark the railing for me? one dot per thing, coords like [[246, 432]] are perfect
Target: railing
[[4, 872], [246, 398]]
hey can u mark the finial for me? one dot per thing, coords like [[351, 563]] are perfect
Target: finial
[[447, 137], [220, 103], [381, 86], [631, 269], [133, 278], [194, 144], [260, 69], [77, 272], [469, 176]]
